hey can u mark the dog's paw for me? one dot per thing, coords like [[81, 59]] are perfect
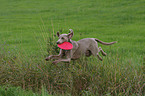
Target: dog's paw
[[48, 58], [104, 54]]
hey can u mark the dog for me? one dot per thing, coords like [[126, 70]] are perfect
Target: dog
[[86, 46]]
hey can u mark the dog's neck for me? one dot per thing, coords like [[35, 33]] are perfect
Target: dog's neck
[[69, 40], [74, 43]]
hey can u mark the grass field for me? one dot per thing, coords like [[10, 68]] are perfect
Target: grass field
[[17, 91], [27, 36]]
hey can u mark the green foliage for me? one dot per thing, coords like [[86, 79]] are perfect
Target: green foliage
[[13, 91], [27, 33], [17, 91], [114, 76]]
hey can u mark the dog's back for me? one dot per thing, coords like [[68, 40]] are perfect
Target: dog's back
[[85, 45]]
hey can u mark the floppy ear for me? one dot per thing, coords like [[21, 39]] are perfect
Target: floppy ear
[[58, 34], [70, 35]]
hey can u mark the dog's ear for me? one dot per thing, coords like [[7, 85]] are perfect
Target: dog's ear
[[70, 35], [58, 34]]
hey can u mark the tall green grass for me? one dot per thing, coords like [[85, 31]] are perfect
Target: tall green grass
[[115, 75], [17, 91]]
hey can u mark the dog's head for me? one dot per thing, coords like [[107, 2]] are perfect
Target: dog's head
[[64, 37]]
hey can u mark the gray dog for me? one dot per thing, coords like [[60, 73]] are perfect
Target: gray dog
[[87, 47]]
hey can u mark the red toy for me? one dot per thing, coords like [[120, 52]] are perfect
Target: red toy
[[65, 46]]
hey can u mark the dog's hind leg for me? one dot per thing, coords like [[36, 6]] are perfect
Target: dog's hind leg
[[103, 53], [95, 52], [100, 58]]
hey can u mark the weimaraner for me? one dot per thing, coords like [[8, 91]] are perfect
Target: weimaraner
[[86, 46]]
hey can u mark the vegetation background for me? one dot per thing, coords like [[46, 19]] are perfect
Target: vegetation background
[[27, 36]]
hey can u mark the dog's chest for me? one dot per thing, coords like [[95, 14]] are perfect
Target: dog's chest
[[65, 52]]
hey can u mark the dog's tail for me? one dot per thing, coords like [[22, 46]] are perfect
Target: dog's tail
[[104, 43]]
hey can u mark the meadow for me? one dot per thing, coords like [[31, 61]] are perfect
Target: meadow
[[28, 35]]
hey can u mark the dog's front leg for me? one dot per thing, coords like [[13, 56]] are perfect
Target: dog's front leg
[[52, 57], [68, 58], [55, 56], [61, 60]]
